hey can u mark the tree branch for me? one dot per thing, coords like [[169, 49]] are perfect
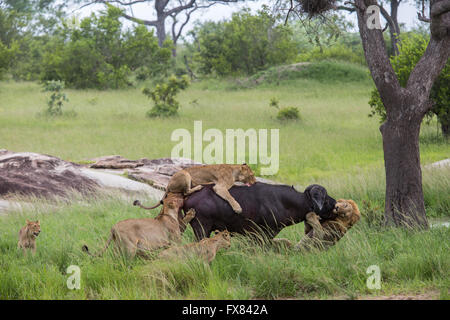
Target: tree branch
[[421, 15], [377, 59], [423, 18], [388, 19], [175, 10], [140, 21], [428, 69]]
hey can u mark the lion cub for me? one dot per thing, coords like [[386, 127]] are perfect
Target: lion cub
[[223, 176], [27, 236], [206, 249], [331, 231]]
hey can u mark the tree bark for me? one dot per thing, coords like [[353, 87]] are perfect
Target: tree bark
[[404, 204], [160, 23], [445, 130], [160, 26], [394, 32]]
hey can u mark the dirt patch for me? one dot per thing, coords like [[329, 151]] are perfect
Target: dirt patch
[[430, 295]]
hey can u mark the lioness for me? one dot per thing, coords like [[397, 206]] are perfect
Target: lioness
[[223, 176], [328, 232], [205, 249], [139, 236], [27, 236]]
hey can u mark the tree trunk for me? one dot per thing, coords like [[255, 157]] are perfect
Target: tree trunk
[[161, 31], [394, 32], [404, 204], [443, 117], [160, 23], [445, 130]]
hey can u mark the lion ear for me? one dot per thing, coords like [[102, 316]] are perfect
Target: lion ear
[[38, 222], [28, 221]]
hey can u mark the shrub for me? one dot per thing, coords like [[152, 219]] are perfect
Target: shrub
[[6, 57], [57, 98], [246, 44], [99, 54], [275, 103], [411, 49], [163, 96], [288, 113]]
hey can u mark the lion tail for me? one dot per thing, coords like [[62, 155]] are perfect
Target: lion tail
[[139, 204], [100, 253]]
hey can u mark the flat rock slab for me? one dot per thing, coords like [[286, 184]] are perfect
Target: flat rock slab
[[115, 162], [6, 206], [113, 181], [439, 164], [157, 172], [154, 179]]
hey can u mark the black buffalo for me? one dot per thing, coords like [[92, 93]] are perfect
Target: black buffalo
[[266, 208]]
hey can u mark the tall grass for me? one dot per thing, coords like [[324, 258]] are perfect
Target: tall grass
[[409, 262], [335, 136]]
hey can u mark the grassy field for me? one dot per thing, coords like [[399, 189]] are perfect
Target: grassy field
[[334, 137], [410, 262], [335, 144]]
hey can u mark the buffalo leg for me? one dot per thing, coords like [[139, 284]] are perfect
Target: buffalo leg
[[201, 231]]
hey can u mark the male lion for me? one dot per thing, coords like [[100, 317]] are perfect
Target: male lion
[[140, 236], [328, 232], [206, 249], [27, 236], [223, 176]]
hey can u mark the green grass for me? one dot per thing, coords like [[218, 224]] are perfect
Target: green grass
[[323, 71], [334, 144], [334, 137], [410, 262]]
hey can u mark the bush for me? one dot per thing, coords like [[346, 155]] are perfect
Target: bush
[[99, 54], [6, 57], [163, 96], [411, 49], [288, 113], [57, 97], [244, 45]]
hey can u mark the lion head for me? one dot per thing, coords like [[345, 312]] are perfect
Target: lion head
[[347, 210], [246, 175], [173, 200], [34, 228], [223, 238]]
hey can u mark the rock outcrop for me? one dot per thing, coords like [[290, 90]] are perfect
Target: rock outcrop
[[35, 174], [28, 173]]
